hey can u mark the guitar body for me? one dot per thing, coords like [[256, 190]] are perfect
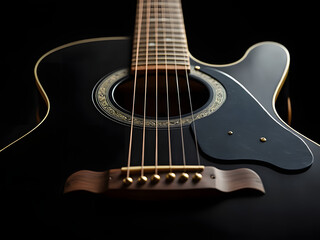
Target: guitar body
[[77, 133]]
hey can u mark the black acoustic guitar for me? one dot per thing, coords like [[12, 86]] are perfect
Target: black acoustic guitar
[[163, 143]]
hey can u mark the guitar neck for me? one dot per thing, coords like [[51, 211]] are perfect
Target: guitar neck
[[159, 37]]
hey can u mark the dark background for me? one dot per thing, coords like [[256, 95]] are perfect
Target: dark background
[[218, 32]]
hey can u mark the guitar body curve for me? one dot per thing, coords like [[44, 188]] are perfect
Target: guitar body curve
[[76, 133]]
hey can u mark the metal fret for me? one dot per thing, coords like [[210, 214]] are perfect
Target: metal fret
[[169, 25], [164, 45], [161, 55], [162, 50], [168, 4], [152, 39], [166, 31], [162, 36], [159, 63], [163, 59]]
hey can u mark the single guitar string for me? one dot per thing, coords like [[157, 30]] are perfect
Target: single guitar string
[[192, 117], [145, 89], [134, 86], [156, 9], [167, 93], [178, 94], [190, 103]]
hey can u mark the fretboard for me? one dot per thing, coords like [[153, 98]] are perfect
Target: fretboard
[[159, 36]]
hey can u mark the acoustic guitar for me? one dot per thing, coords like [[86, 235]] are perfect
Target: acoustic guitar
[[157, 142]]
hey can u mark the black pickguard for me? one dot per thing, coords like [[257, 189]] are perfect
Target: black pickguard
[[249, 122]]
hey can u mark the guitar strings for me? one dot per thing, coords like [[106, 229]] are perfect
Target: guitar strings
[[145, 88], [192, 117], [139, 18], [167, 90], [191, 106], [178, 90], [156, 19]]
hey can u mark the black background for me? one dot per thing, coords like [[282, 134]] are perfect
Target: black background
[[217, 32]]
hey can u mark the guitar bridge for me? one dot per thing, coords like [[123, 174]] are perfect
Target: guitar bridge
[[172, 181]]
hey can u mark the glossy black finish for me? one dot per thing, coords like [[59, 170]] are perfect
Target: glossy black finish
[[79, 137], [249, 122]]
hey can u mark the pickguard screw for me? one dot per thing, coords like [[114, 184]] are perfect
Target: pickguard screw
[[197, 67], [263, 139], [230, 133]]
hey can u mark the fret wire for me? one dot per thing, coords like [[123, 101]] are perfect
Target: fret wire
[[173, 56], [161, 20], [171, 62], [176, 24], [173, 41], [174, 11], [161, 52], [160, 37], [151, 61], [164, 20], [163, 5], [161, 56], [170, 51], [166, 4], [183, 51], [186, 60], [176, 35], [163, 63], [143, 54], [161, 30], [182, 60], [178, 44], [161, 59], [151, 41], [161, 48], [161, 67]]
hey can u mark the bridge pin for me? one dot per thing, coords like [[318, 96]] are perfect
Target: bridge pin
[[184, 177], [197, 177], [127, 181], [142, 180], [155, 178], [170, 177]]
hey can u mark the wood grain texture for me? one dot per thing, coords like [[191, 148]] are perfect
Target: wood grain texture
[[213, 179]]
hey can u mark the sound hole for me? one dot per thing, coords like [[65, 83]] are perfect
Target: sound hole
[[123, 94]]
